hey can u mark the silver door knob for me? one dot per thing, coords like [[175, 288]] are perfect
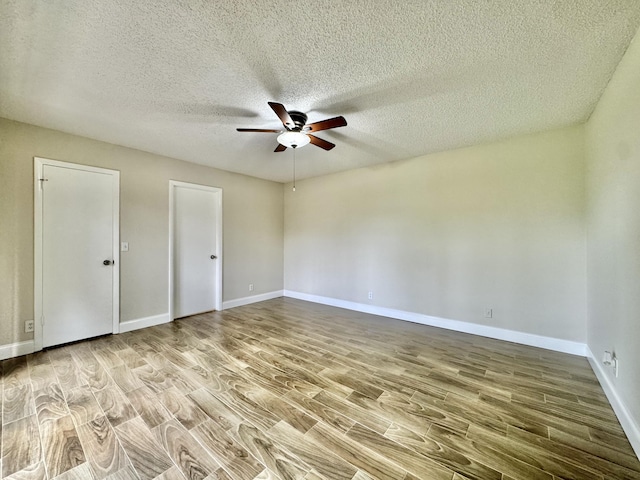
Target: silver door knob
[[213, 257]]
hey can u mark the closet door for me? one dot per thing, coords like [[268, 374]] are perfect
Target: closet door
[[196, 249], [78, 240]]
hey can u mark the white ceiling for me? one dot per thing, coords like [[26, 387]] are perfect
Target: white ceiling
[[411, 77]]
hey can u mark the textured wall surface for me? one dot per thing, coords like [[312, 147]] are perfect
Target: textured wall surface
[[497, 226], [613, 159], [252, 216]]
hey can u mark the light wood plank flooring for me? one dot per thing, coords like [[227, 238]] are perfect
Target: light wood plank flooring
[[286, 389]]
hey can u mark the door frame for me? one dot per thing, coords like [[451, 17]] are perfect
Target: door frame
[[39, 164], [173, 184]]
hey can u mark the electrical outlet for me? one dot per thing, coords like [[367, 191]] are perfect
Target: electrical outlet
[[28, 326], [488, 313], [370, 296], [251, 287]]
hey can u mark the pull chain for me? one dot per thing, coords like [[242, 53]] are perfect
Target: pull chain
[[294, 169]]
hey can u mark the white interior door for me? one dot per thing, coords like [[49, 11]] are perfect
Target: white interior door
[[196, 249], [77, 262]]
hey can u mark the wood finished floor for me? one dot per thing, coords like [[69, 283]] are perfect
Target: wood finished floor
[[286, 389]]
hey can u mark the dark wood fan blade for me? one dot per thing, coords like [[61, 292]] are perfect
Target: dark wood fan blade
[[280, 148], [326, 124], [257, 130], [318, 142], [283, 115]]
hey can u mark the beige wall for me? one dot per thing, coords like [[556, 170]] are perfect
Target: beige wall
[[252, 215], [613, 199], [450, 234]]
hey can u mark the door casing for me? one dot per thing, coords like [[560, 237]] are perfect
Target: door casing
[[173, 184], [39, 164]]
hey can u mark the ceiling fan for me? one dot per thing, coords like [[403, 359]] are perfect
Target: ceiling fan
[[297, 133]]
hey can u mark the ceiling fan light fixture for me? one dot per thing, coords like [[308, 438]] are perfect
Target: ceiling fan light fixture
[[293, 139], [298, 133]]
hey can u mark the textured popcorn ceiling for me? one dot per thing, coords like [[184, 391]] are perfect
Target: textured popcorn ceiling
[[411, 77]]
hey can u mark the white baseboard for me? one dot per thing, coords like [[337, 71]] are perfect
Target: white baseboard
[[629, 424], [238, 302], [145, 322], [549, 343], [16, 349]]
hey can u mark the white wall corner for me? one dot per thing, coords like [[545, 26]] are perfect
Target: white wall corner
[[629, 424], [549, 343], [145, 322], [238, 302], [17, 349]]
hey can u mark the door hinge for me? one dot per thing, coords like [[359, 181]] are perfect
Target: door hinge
[[42, 320], [42, 180]]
